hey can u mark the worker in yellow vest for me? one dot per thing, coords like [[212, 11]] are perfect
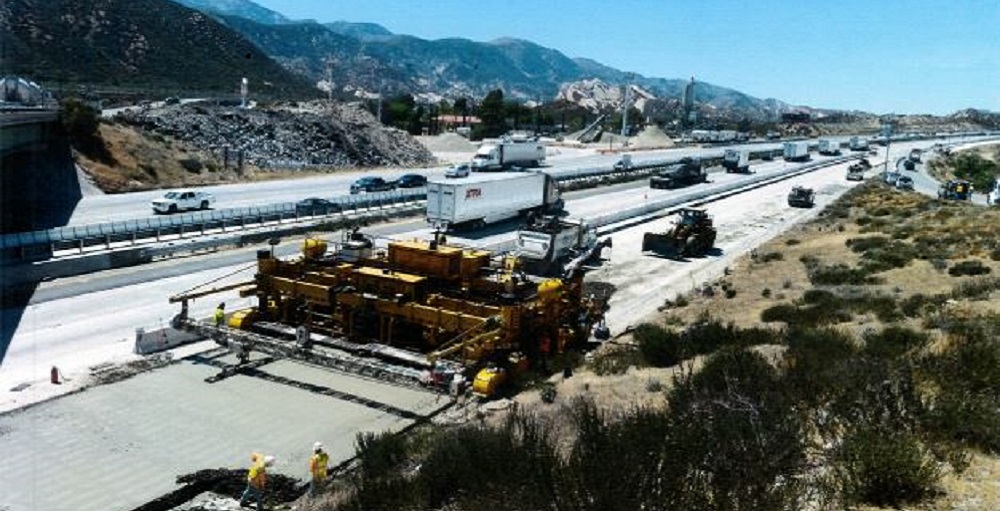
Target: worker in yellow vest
[[257, 480], [220, 314], [317, 468]]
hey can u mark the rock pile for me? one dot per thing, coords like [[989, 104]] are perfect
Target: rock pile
[[286, 135]]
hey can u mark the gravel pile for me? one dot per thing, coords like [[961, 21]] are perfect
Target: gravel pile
[[447, 142], [293, 135]]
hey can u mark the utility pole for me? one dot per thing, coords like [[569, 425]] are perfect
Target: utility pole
[[329, 78], [380, 102], [625, 105], [888, 143]]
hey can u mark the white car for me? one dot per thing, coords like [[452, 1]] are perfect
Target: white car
[[182, 200], [458, 171]]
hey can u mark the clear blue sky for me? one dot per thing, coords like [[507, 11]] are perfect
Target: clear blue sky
[[902, 56]]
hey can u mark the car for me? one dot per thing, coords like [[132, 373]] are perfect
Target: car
[[411, 181], [182, 200], [371, 184], [891, 178], [909, 165], [904, 183], [316, 206], [455, 171]]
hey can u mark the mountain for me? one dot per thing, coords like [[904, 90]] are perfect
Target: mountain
[[135, 43], [360, 31], [242, 8]]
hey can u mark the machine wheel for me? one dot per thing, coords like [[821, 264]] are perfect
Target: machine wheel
[[691, 247], [172, 208], [204, 204]]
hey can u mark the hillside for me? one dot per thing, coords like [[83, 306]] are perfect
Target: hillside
[[134, 43]]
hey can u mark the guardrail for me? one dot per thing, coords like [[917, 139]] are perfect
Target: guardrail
[[43, 244]]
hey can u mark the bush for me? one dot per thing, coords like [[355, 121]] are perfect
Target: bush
[[894, 341], [82, 124], [978, 289], [792, 242], [770, 256], [840, 274], [659, 347], [192, 165], [894, 255], [766, 292], [814, 361], [970, 267], [858, 245], [616, 361], [885, 467]]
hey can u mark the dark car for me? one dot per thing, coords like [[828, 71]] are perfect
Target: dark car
[[371, 184], [411, 181], [316, 206]]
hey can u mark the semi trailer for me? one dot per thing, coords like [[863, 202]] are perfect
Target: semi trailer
[[482, 199], [796, 151]]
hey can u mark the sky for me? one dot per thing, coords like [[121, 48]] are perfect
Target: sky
[[881, 56]]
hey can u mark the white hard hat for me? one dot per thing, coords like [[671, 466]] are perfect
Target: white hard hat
[[268, 461], [318, 446]]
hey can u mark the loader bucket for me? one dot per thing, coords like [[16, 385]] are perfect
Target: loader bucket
[[661, 244]]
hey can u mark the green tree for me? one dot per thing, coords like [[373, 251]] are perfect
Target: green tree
[[82, 125], [492, 114]]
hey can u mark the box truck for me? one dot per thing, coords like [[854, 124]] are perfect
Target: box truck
[[859, 144], [796, 151], [482, 199], [736, 160], [507, 152], [829, 147]]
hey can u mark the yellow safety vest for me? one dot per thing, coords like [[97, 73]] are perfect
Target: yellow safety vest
[[220, 316], [257, 476], [317, 465]]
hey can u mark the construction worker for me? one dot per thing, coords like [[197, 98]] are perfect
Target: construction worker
[[257, 479], [317, 468], [220, 314]]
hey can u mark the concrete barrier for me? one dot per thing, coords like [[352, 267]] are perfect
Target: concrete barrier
[[159, 339]]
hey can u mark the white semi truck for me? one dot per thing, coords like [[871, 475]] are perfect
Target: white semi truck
[[859, 144], [736, 160], [482, 199], [796, 151], [508, 152], [829, 147]]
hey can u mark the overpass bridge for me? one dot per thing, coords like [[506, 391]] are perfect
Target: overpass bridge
[[39, 187]]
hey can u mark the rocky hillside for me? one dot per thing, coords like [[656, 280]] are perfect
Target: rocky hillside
[[134, 43], [312, 134], [242, 8]]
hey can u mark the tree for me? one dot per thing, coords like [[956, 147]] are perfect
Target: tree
[[82, 124], [491, 113]]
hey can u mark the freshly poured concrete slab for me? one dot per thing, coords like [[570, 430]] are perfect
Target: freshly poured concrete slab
[[116, 446]]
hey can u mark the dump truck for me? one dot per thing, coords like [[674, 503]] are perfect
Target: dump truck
[[801, 197], [691, 235], [736, 160], [687, 171], [858, 144], [508, 152], [549, 244], [829, 147], [482, 199], [957, 189], [796, 151]]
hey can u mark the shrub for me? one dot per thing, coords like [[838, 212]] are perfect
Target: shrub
[[766, 292], [979, 288], [659, 347], [840, 274], [814, 360], [615, 361], [730, 292], [885, 467], [792, 242], [969, 267], [770, 256], [379, 453], [858, 245], [894, 341], [995, 254], [192, 165], [894, 255]]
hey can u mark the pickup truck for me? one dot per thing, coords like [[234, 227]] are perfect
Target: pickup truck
[[182, 200]]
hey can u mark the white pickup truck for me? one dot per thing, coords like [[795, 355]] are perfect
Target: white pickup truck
[[183, 200]]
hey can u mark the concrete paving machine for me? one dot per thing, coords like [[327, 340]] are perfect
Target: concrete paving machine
[[801, 197], [414, 313], [692, 235]]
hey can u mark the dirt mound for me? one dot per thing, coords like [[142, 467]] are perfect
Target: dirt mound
[[223, 481], [652, 136], [447, 142], [284, 135]]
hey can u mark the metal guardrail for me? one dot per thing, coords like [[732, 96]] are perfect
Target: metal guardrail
[[42, 244]]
